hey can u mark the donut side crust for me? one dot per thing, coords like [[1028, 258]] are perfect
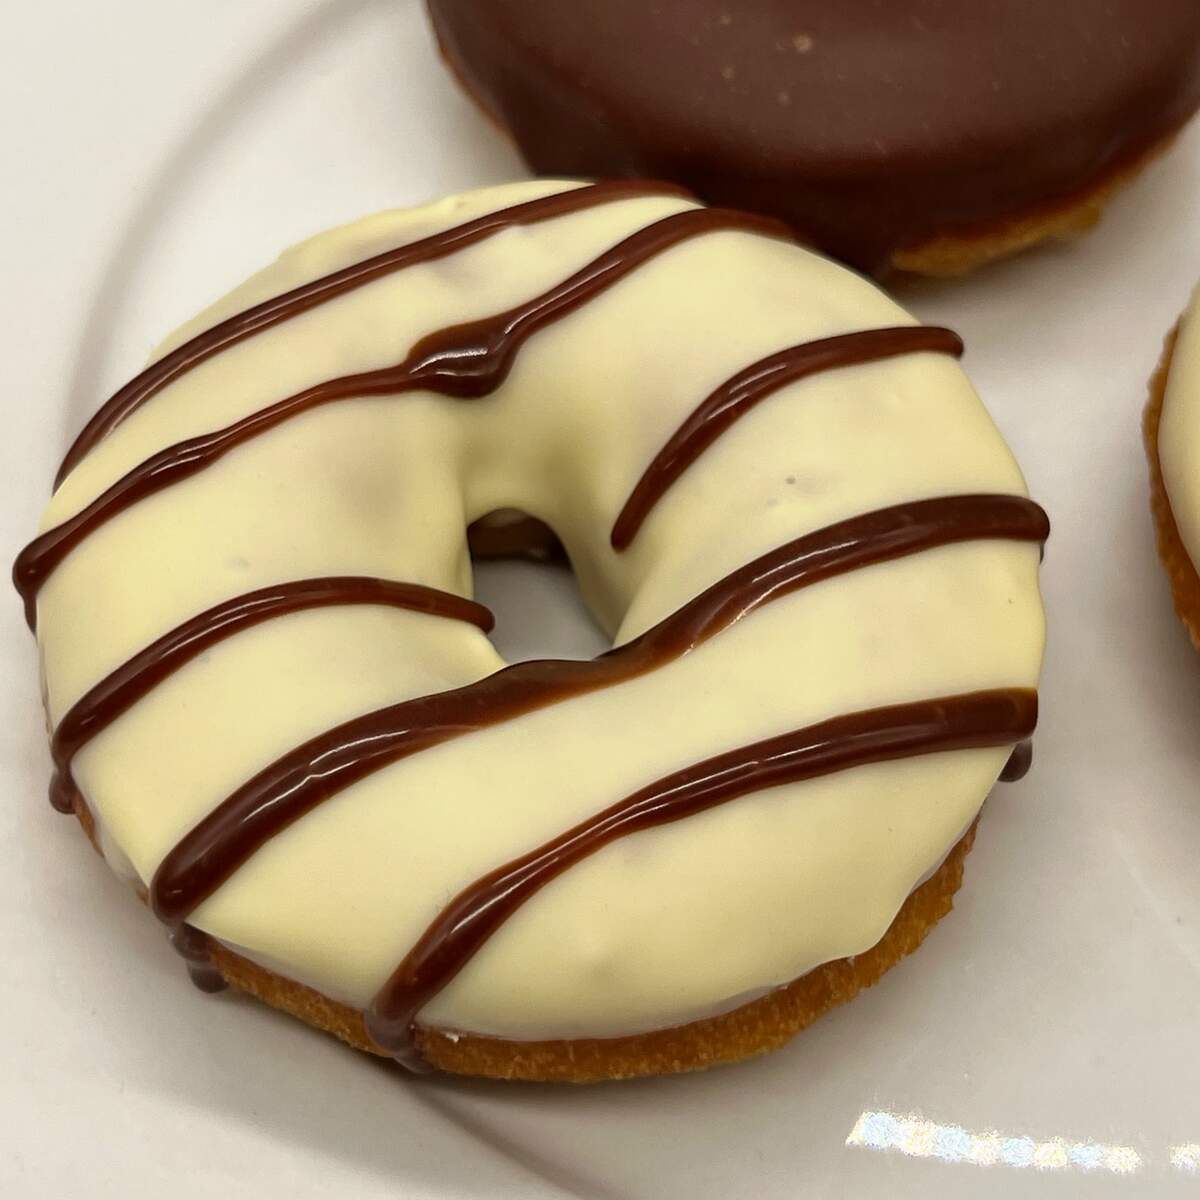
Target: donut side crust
[[1185, 582], [754, 1028], [961, 251]]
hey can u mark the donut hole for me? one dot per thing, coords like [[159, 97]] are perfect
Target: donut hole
[[523, 575]]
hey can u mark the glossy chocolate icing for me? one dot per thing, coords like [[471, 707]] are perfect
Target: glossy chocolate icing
[[869, 125], [854, 739], [466, 362]]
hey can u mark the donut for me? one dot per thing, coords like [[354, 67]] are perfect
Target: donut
[[922, 135], [276, 710], [1172, 436]]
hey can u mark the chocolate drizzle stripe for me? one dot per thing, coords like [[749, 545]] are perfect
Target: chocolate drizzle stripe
[[978, 719], [282, 308], [738, 395], [465, 361], [1018, 763], [121, 689], [320, 768]]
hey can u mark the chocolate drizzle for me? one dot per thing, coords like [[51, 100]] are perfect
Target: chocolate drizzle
[[308, 775], [466, 362], [193, 946], [118, 691], [738, 395], [990, 718], [62, 794], [470, 361], [310, 295]]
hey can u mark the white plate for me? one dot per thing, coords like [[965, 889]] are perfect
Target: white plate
[[157, 152]]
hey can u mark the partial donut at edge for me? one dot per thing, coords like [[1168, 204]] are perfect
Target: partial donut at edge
[[1185, 582], [755, 1028]]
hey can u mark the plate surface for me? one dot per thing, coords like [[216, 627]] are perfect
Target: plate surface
[[156, 159]]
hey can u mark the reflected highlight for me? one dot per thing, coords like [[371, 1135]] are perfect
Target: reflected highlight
[[919, 1138], [1186, 1157]]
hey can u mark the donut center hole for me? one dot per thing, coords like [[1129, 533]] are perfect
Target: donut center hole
[[522, 574]]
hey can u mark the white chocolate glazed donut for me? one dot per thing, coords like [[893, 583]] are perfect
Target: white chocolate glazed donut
[[657, 927]]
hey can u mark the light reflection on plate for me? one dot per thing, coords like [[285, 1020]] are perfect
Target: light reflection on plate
[[919, 1138]]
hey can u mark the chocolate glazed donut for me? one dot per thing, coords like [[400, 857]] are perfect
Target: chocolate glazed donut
[[877, 128]]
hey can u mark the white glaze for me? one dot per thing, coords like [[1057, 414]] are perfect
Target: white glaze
[[661, 926], [1179, 430]]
